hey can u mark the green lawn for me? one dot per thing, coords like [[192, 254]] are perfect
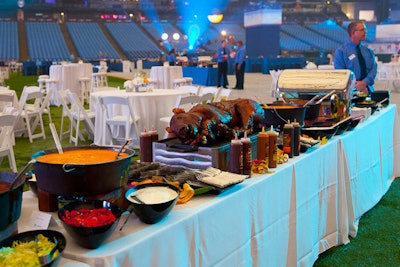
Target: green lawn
[[23, 149]]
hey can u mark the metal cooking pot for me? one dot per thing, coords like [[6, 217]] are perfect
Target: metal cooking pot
[[82, 179], [10, 201], [277, 114]]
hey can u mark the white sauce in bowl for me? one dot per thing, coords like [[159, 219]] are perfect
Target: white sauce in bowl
[[154, 195]]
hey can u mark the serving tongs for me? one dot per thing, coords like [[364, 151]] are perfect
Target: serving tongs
[[47, 258]]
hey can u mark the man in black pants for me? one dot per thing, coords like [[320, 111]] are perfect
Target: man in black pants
[[222, 58], [240, 65]]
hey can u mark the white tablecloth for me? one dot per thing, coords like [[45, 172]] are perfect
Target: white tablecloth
[[285, 218], [150, 106], [67, 77], [165, 76]]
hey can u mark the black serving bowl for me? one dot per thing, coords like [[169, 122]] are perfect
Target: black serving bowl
[[320, 132], [90, 237], [343, 125], [278, 114], [367, 104], [378, 96], [32, 235], [354, 122], [10, 200], [151, 212]]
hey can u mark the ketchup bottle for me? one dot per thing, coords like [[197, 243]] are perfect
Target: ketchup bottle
[[262, 145], [236, 156], [296, 138], [247, 152], [273, 151]]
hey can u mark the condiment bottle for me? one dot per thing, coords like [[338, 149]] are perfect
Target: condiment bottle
[[236, 156], [288, 144], [154, 135], [146, 147], [262, 145], [296, 138], [272, 152], [247, 152]]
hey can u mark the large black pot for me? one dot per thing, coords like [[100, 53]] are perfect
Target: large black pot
[[82, 179], [10, 201], [277, 114]]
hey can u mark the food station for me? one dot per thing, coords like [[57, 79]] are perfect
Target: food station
[[189, 206]]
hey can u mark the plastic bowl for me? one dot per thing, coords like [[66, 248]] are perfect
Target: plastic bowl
[[31, 236], [90, 237], [151, 212]]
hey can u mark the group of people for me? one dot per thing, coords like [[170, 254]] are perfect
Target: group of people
[[352, 55], [223, 54]]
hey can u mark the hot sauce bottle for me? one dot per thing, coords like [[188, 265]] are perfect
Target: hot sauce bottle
[[236, 156], [247, 152], [146, 147], [296, 138], [262, 146], [272, 152], [288, 133], [154, 135]]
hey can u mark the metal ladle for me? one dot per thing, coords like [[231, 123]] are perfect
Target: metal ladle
[[21, 174], [46, 259]]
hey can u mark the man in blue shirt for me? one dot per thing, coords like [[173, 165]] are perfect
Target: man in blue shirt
[[222, 59], [357, 58], [240, 65]]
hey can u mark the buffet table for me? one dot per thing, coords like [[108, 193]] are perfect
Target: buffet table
[[67, 77], [165, 76], [149, 106], [202, 76], [285, 218]]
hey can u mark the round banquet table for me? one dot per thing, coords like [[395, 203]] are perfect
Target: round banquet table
[[149, 106], [67, 77], [165, 75]]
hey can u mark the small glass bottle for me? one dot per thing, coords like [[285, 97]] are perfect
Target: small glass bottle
[[246, 154], [273, 151], [236, 156]]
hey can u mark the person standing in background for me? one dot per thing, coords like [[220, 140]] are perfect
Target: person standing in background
[[358, 58], [222, 59], [240, 65], [172, 57]]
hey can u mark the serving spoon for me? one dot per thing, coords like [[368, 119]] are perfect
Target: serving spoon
[[55, 138]]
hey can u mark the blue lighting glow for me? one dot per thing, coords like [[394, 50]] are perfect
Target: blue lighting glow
[[194, 18]]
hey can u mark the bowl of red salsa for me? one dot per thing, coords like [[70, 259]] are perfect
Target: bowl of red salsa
[[90, 222]]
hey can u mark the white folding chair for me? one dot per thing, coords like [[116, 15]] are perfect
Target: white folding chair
[[207, 98], [185, 102], [7, 123], [79, 115], [99, 79], [6, 100], [193, 90], [4, 87], [31, 111], [223, 95], [209, 89], [120, 120]]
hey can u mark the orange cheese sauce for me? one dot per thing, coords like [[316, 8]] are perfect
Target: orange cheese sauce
[[80, 156]]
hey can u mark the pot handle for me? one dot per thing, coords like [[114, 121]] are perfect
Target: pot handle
[[68, 167]]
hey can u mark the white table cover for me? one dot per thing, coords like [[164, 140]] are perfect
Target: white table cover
[[67, 77], [150, 106], [165, 76], [285, 218]]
